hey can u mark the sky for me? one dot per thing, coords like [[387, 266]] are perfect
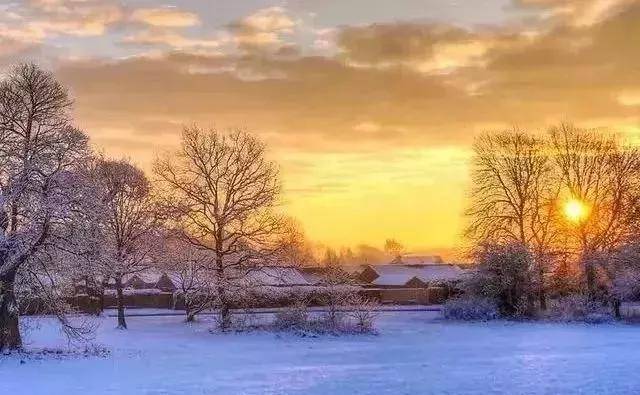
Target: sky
[[370, 107]]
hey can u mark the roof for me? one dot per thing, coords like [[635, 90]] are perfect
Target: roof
[[147, 279], [277, 276], [312, 278], [398, 274], [150, 275], [415, 259], [318, 274], [353, 269]]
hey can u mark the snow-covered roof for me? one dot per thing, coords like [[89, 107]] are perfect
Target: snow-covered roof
[[354, 269], [398, 274], [277, 276], [150, 276], [312, 278], [415, 259]]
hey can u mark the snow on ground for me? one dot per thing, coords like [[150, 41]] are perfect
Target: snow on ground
[[415, 353]]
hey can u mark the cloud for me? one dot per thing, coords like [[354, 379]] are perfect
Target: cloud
[[367, 127], [629, 98], [34, 21], [264, 32], [37, 21], [73, 17], [423, 47], [272, 19], [174, 41], [578, 13], [165, 17], [265, 28]]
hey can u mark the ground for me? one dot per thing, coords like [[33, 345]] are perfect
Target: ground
[[414, 353]]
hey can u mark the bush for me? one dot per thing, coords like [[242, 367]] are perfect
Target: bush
[[354, 314], [576, 307], [293, 317], [504, 275], [470, 308], [364, 313]]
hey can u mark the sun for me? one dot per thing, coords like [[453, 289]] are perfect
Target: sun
[[575, 210]]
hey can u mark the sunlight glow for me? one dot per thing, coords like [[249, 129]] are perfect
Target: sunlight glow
[[575, 210]]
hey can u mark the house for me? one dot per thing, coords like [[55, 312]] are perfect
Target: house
[[410, 276]]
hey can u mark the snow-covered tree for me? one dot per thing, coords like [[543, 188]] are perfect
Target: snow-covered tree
[[221, 191], [130, 224], [42, 191]]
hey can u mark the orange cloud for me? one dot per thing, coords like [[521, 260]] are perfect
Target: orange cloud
[[263, 29], [39, 19], [174, 41], [579, 13], [165, 17]]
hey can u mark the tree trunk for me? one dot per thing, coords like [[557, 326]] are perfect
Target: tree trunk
[[588, 263], [103, 287], [616, 308], [100, 307], [10, 338], [542, 298], [122, 324], [542, 294], [591, 280], [225, 311], [191, 315]]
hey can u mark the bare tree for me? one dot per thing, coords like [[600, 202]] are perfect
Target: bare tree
[[222, 189], [394, 248], [332, 258], [514, 196], [130, 224], [598, 170], [294, 248], [41, 190]]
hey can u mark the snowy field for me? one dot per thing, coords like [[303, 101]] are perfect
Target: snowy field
[[415, 353]]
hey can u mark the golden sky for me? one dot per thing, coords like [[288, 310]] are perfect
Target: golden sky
[[369, 106]]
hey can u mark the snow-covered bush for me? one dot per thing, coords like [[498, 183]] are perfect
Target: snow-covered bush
[[470, 308], [352, 314], [575, 307], [363, 313], [343, 310], [293, 317], [504, 275], [626, 285]]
